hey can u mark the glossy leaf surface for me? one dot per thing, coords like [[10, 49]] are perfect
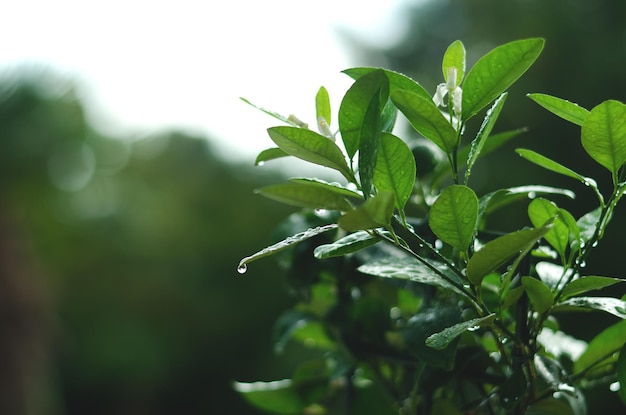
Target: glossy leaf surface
[[454, 215], [567, 110], [306, 195], [539, 294], [348, 244], [441, 339], [602, 347], [604, 134], [375, 212], [395, 169]]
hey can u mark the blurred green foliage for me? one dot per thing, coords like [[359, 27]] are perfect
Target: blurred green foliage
[[129, 248]]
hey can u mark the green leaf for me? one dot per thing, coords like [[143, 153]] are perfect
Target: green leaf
[[269, 154], [305, 195], [279, 397], [369, 143], [485, 130], [497, 252], [454, 57], [312, 147], [503, 197], [602, 348], [588, 283], [621, 373], [441, 339], [396, 80], [286, 120], [541, 210], [322, 105], [395, 169], [408, 269], [330, 186], [388, 117], [588, 224], [426, 118], [496, 71], [553, 166], [347, 245], [540, 295], [284, 244], [562, 108], [354, 107], [604, 135], [608, 304], [454, 215], [375, 212]]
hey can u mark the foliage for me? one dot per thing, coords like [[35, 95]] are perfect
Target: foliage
[[415, 304]]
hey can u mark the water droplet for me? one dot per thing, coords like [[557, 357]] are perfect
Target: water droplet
[[532, 195], [355, 293], [260, 163], [242, 268], [473, 328], [594, 244], [438, 244], [614, 387], [320, 212]]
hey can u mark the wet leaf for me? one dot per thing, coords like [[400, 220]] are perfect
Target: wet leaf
[[303, 194], [602, 349], [269, 154], [588, 283], [348, 244], [441, 339], [454, 56], [540, 211], [540, 295], [375, 212], [608, 304], [567, 110], [603, 135], [454, 215], [395, 169]]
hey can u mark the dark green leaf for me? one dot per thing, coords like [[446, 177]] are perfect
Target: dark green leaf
[[306, 195], [496, 71], [395, 169], [604, 134], [588, 224], [608, 304], [485, 130], [454, 215], [588, 283], [269, 154], [562, 108], [550, 406], [441, 339], [497, 252], [408, 269], [279, 397], [621, 373], [503, 197], [348, 244], [312, 147], [602, 348], [375, 212], [539, 294], [355, 104], [369, 143], [426, 118]]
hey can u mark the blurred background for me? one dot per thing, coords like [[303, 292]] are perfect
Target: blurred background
[[127, 177]]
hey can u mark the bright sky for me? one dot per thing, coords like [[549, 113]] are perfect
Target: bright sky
[[143, 66]]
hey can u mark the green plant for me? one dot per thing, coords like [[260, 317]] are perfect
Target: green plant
[[415, 304]]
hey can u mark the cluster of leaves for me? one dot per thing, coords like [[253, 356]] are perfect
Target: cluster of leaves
[[416, 305]]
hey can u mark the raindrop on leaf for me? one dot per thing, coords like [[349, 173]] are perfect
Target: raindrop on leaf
[[242, 268]]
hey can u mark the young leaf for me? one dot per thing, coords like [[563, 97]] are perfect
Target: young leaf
[[602, 347], [312, 147], [347, 245], [588, 283], [496, 71], [395, 169], [541, 210], [562, 108], [454, 215], [454, 57], [269, 154], [603, 135], [608, 304], [286, 120], [497, 252], [355, 104], [284, 244], [396, 80], [426, 118], [303, 194], [322, 105], [540, 295], [485, 129], [375, 212], [441, 339]]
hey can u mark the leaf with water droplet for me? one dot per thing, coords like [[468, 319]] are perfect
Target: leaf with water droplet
[[601, 353], [285, 243], [441, 339], [454, 216], [607, 304]]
